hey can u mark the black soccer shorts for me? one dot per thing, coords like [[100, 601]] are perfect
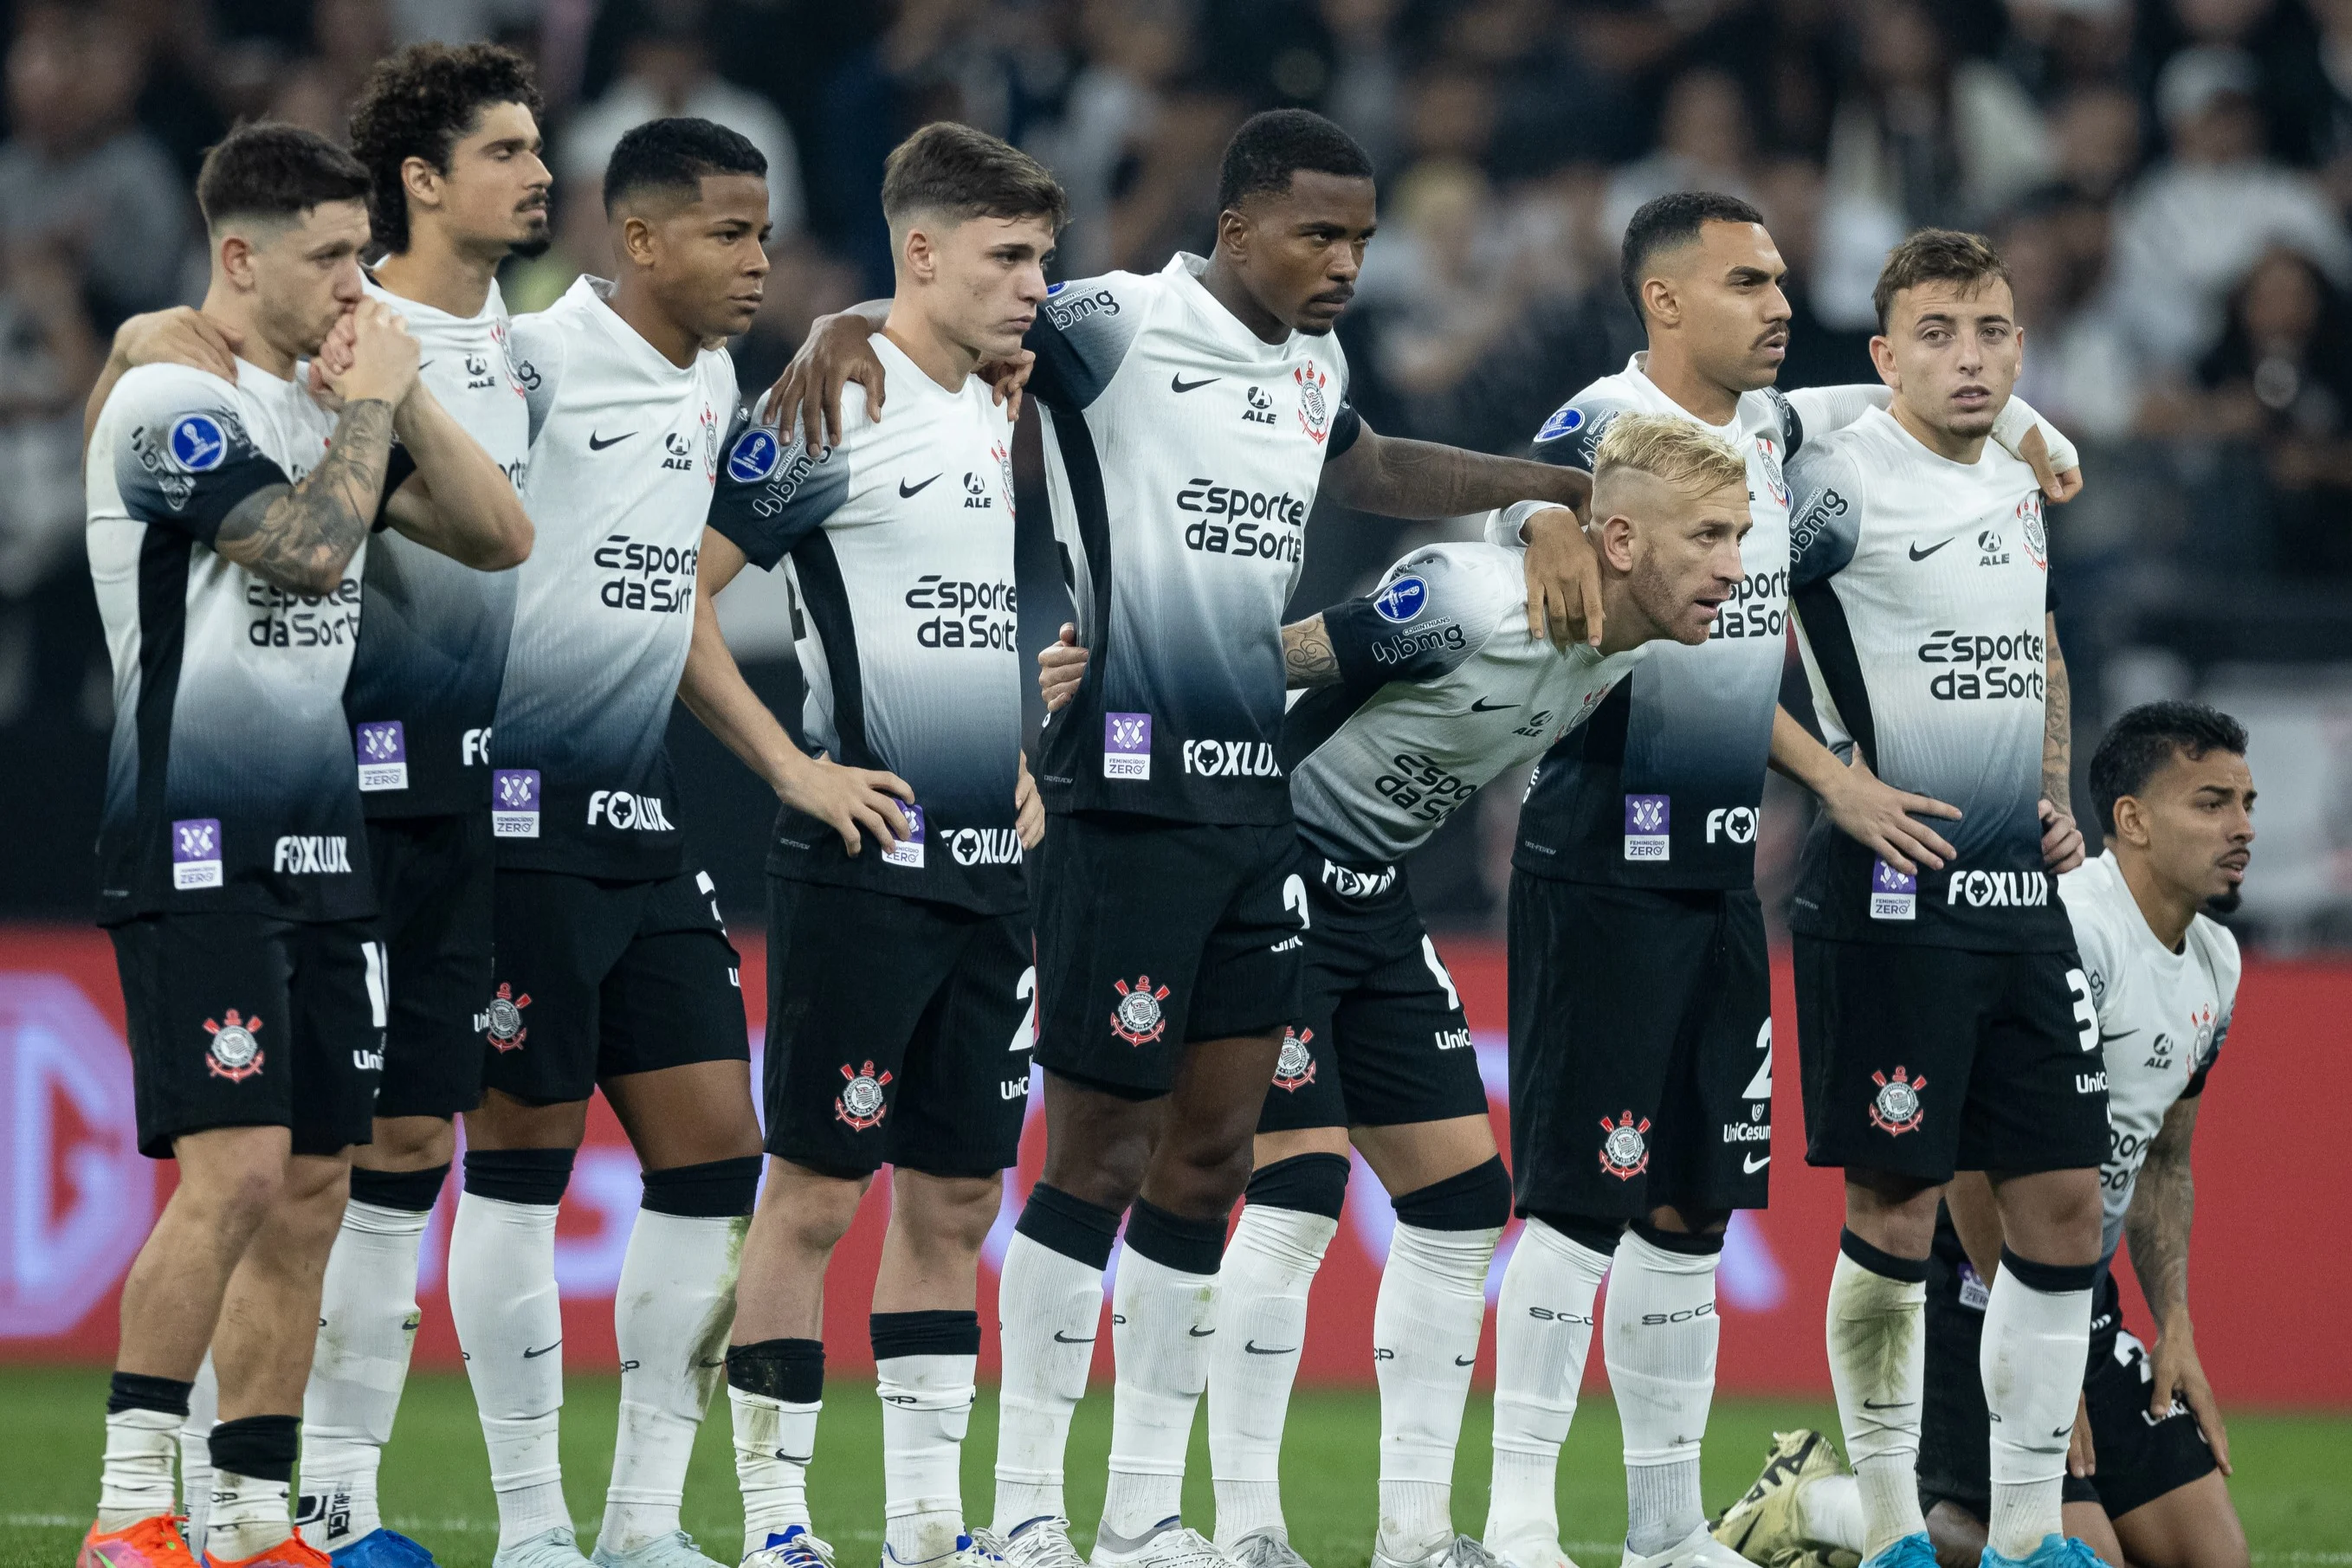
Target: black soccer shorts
[[598, 979], [899, 1032], [240, 1021], [1152, 934], [1923, 1061], [435, 883], [1381, 1039], [1640, 1049]]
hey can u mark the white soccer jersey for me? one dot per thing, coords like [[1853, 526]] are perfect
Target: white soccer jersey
[[1441, 689], [899, 542], [624, 453], [229, 782], [1920, 587], [2162, 1016], [1182, 455], [425, 680]]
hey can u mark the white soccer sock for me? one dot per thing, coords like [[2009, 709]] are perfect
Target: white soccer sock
[[1878, 1364], [2035, 1344], [774, 1439], [510, 1324], [1543, 1329], [1829, 1513], [1425, 1326], [1660, 1331], [1269, 1266], [671, 1315], [368, 1318], [196, 1456], [249, 1515], [1162, 1322], [134, 1482], [926, 1409], [1049, 1307]]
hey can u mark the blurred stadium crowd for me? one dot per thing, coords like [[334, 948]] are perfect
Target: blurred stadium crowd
[[2170, 180]]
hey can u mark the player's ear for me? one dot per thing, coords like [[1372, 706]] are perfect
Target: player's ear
[[635, 240], [1616, 540], [2131, 821], [421, 179], [1659, 304], [236, 253]]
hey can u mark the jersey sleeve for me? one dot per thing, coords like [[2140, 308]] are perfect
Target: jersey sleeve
[[772, 494], [539, 352], [1811, 412], [187, 459], [2227, 966], [1567, 440], [1430, 614], [1082, 336], [1826, 502]]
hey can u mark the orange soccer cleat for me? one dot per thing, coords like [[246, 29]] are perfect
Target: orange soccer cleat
[[153, 1542], [291, 1552]]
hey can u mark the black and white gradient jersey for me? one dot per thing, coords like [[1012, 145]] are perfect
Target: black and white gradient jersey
[[1441, 689], [2161, 1014], [1920, 587], [229, 784], [425, 680], [1181, 457], [624, 454], [898, 544]]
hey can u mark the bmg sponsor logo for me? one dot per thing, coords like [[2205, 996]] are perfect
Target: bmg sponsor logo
[[1067, 311], [1400, 646]]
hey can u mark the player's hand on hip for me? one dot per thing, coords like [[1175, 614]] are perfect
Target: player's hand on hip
[[2062, 841], [1006, 377], [180, 336], [1061, 668], [2081, 1454], [1885, 819], [2178, 1374], [383, 357], [838, 349], [1028, 809], [1563, 578], [850, 800]]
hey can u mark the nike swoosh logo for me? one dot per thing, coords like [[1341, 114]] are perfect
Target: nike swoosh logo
[[909, 492], [1751, 1164], [2104, 1038], [1177, 383], [529, 1354], [1896, 1405], [1197, 1332], [1481, 705], [1466, 1361], [596, 444], [1251, 1347], [1061, 1338], [1918, 554], [796, 1458]]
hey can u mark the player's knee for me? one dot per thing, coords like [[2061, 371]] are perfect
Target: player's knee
[[712, 1190], [1592, 1232], [412, 1143], [1476, 1199], [949, 1213], [1310, 1183], [1685, 1223], [1201, 1177]]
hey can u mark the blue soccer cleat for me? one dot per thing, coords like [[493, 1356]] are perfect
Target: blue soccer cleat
[[382, 1548], [2055, 1551], [1913, 1551]]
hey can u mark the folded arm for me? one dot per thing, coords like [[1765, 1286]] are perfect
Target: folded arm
[[458, 501], [301, 537]]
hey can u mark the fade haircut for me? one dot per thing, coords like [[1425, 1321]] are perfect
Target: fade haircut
[[2145, 739], [1936, 255], [420, 103], [276, 172], [1669, 223], [675, 155], [1271, 147], [1671, 449], [965, 173]]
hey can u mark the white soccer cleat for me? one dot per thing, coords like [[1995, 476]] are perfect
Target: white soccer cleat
[[1529, 1552], [1461, 1551], [791, 1547], [1699, 1549], [1040, 1542], [1765, 1524], [1170, 1545], [558, 1548], [676, 1550], [974, 1551], [1266, 1548]]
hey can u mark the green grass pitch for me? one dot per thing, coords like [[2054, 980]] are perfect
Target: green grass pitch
[[2294, 1484]]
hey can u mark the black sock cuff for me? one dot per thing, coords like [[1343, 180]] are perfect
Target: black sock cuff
[[717, 1189], [924, 1333], [519, 1175], [1588, 1231], [411, 1191], [1311, 1184], [2050, 1279], [791, 1370], [1172, 1241], [1078, 1229], [1689, 1243], [137, 1390], [1476, 1199], [259, 1446], [1886, 1265]]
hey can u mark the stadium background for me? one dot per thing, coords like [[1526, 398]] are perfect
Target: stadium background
[[2170, 179]]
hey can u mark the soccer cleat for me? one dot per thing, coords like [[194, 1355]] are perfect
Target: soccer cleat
[[1529, 1552], [1267, 1548], [2055, 1551], [291, 1552], [968, 1553], [1040, 1542], [381, 1548], [557, 1548], [1696, 1550], [1765, 1525], [1168, 1545], [1461, 1551], [152, 1542], [792, 1547], [676, 1550], [1913, 1551]]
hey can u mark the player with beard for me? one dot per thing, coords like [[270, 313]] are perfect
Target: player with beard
[[1641, 1034], [1192, 417], [2143, 1481]]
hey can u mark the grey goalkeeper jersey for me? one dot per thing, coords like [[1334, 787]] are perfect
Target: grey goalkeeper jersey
[[1441, 689]]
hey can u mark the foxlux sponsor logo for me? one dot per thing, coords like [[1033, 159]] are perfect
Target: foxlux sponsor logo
[[1231, 759], [1736, 823], [1649, 827], [312, 854], [1236, 521], [1986, 667], [983, 846], [620, 808], [384, 755], [974, 614], [1348, 883], [1997, 890]]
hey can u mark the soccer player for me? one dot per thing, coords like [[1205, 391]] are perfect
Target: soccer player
[[1424, 690], [1939, 1008], [614, 969], [1641, 1029], [2145, 1481], [899, 545], [1192, 417]]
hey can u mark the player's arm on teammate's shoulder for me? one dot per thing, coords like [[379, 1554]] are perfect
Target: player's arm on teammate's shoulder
[[839, 350], [1308, 659], [2062, 838], [458, 501], [2157, 1226], [2020, 431], [179, 336]]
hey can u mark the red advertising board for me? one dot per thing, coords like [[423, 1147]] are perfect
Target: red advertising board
[[77, 1197]]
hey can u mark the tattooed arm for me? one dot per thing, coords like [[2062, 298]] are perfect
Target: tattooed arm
[[2163, 1203], [1308, 659], [1399, 478], [2062, 841], [301, 537]]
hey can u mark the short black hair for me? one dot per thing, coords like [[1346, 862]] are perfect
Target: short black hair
[[1668, 222], [950, 168], [1936, 255], [677, 154], [1271, 147], [420, 103], [2145, 739], [272, 169]]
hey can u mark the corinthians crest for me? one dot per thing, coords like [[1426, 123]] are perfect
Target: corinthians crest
[[1624, 1148], [1138, 1019], [1314, 412], [1294, 1068], [860, 1103], [1897, 1110], [502, 1023], [234, 1054]]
